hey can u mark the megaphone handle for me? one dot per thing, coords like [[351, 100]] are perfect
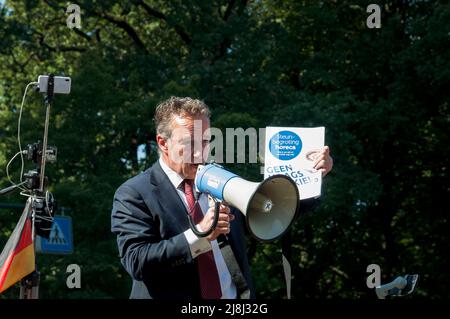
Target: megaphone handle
[[214, 223]]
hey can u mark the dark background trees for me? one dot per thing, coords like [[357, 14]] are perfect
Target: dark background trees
[[381, 93]]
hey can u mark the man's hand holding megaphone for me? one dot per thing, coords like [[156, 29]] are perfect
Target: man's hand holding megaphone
[[223, 224]]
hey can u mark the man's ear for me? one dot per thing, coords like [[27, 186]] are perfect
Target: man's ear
[[162, 143]]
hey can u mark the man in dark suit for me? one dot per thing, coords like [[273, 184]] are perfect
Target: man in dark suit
[[156, 245]]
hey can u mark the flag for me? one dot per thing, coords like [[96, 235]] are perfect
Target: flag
[[17, 258]]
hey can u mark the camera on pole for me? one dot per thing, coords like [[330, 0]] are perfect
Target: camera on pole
[[40, 205]]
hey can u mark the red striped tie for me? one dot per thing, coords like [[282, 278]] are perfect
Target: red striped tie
[[209, 278]]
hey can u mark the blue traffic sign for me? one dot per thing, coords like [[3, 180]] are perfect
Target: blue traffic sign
[[60, 240]]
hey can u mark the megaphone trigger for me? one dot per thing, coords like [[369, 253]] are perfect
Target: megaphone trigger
[[212, 201]]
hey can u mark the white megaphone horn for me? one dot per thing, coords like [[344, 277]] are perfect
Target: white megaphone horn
[[270, 207]]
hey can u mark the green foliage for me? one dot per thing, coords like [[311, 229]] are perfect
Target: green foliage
[[380, 93]]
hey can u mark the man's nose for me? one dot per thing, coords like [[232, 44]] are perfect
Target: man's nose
[[197, 155]]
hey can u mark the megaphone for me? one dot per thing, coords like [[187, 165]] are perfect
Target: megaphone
[[270, 207]]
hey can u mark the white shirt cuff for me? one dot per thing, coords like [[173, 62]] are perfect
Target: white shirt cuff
[[197, 245]]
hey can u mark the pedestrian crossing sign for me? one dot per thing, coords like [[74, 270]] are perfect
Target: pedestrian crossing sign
[[60, 240]]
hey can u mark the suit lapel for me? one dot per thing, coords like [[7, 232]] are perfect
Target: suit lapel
[[168, 198]]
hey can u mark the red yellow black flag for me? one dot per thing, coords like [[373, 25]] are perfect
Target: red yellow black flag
[[17, 258]]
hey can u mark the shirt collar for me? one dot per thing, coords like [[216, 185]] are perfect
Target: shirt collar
[[173, 176]]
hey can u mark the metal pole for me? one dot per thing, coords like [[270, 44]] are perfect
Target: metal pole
[[44, 147], [48, 103]]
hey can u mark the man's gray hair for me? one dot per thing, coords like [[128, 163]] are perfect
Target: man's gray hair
[[177, 106]]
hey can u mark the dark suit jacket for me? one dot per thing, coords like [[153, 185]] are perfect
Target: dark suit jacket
[[149, 220]]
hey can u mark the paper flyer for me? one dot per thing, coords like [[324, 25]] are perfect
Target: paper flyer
[[291, 151]]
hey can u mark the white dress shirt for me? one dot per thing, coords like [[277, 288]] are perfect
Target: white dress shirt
[[201, 245]]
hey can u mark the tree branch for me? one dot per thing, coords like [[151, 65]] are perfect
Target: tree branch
[[242, 6], [151, 11], [157, 14], [24, 64], [97, 35], [125, 27], [58, 49], [229, 9], [82, 34], [226, 42], [339, 272]]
